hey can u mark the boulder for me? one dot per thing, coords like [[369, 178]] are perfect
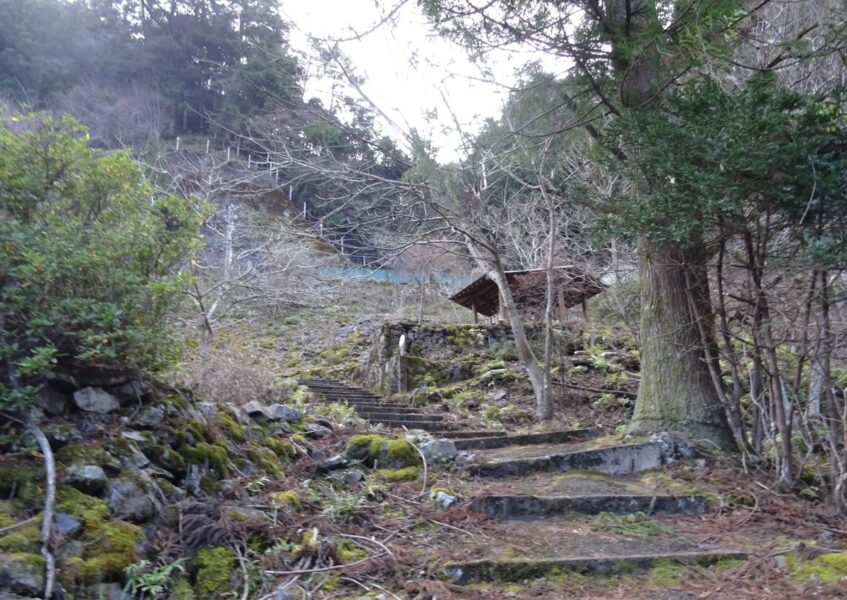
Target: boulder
[[438, 451], [149, 418], [61, 435], [22, 573], [89, 479], [674, 448], [444, 500], [66, 525], [255, 409], [133, 390], [333, 463], [52, 401], [96, 400], [129, 502], [283, 412], [352, 476], [499, 397], [315, 431]]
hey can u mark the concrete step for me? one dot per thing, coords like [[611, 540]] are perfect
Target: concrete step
[[369, 415], [407, 424], [551, 437], [521, 569], [365, 402], [375, 407], [539, 507], [351, 395], [461, 435], [547, 495], [523, 460]]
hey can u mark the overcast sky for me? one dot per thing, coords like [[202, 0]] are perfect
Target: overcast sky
[[406, 66]]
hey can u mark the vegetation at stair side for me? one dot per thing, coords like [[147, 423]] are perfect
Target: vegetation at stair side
[[88, 262]]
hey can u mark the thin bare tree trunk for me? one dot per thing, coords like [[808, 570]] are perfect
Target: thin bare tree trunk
[[49, 505], [764, 338], [491, 265], [544, 408]]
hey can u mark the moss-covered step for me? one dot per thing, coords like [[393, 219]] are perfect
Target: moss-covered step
[[347, 395], [520, 569], [385, 408], [551, 494], [527, 439], [621, 459], [400, 423], [377, 416], [461, 435], [538, 507]]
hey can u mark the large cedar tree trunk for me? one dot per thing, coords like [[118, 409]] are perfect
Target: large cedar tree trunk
[[676, 392]]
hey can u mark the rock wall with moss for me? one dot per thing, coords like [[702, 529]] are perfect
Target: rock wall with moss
[[136, 475], [441, 354]]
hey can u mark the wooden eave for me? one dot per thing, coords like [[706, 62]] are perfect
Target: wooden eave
[[574, 286]]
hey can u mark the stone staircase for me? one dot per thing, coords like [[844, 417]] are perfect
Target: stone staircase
[[543, 489], [375, 410]]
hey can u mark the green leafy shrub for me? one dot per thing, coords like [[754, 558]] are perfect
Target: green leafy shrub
[[88, 254]]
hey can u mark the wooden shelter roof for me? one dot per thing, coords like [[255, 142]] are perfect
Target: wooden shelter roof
[[572, 284]]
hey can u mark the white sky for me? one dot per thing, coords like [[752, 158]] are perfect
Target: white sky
[[407, 67]]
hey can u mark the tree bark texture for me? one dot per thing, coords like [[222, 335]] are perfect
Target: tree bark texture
[[676, 393]]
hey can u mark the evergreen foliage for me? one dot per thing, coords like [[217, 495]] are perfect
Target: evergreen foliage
[[88, 257]]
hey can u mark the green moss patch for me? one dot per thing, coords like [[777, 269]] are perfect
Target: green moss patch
[[349, 552], [405, 474], [267, 461], [826, 568], [213, 455], [23, 539], [289, 499], [374, 449], [214, 571]]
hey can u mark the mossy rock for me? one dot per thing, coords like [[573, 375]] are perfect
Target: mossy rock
[[211, 455], [364, 447], [231, 426], [22, 573], [374, 449], [401, 454], [88, 455], [21, 482], [167, 458], [266, 460], [404, 474], [288, 499], [215, 566], [109, 545], [284, 449]]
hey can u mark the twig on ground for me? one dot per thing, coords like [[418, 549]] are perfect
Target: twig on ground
[[362, 538], [322, 569], [13, 526], [448, 526]]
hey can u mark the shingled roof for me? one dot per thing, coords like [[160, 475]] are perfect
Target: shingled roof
[[573, 286]]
